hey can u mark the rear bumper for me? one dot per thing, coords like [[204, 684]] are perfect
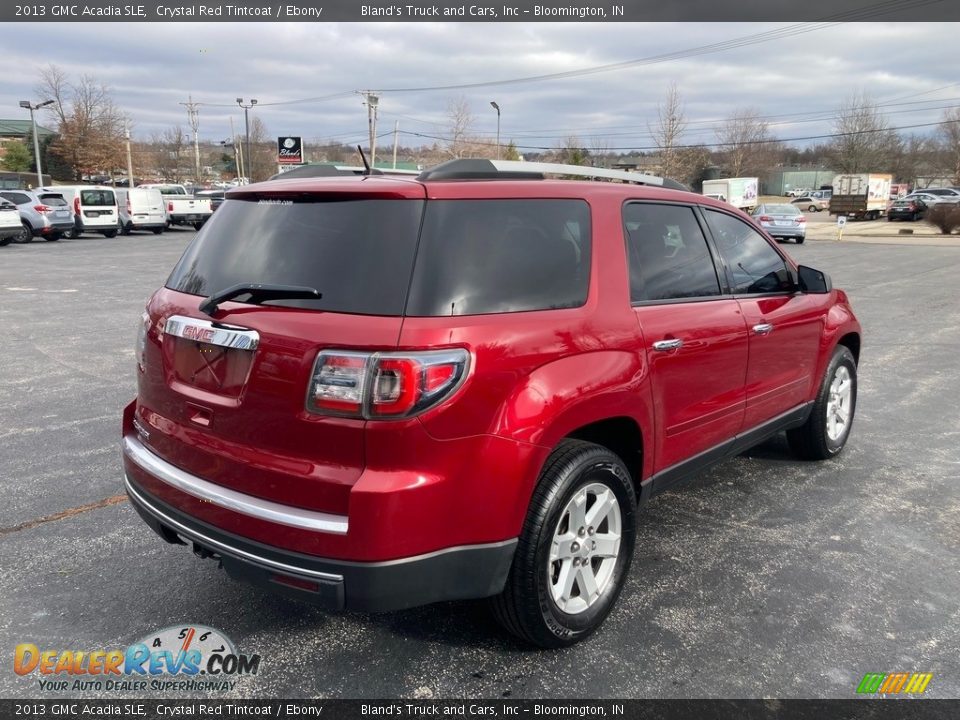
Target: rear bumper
[[786, 232], [456, 573]]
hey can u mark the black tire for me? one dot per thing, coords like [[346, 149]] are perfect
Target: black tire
[[126, 229], [25, 235], [813, 208], [157, 231], [109, 233], [53, 237], [197, 225], [915, 217], [800, 240], [6, 241], [812, 441], [72, 234], [526, 606]]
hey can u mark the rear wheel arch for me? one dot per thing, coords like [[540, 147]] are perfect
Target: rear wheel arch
[[620, 435]]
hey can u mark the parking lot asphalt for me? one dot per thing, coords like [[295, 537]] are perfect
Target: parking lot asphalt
[[764, 577]]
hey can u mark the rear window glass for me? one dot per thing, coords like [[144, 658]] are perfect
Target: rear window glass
[[53, 200], [18, 198], [497, 256], [781, 210], [98, 198], [357, 253]]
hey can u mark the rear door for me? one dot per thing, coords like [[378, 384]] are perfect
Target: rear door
[[696, 337], [225, 396], [784, 326], [98, 208]]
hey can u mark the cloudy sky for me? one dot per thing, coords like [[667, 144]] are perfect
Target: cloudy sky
[[306, 76]]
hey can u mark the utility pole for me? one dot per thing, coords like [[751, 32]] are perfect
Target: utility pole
[[246, 122], [396, 133], [237, 152], [194, 114], [372, 103]]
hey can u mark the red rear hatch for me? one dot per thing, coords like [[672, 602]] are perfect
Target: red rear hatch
[[223, 395]]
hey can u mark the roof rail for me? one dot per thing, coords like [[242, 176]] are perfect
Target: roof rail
[[482, 169]]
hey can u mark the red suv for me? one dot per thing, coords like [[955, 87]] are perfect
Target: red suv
[[379, 392]]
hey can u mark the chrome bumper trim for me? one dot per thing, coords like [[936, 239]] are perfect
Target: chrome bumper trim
[[231, 499], [209, 542]]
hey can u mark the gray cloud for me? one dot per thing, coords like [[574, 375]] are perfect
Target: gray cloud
[[151, 68]]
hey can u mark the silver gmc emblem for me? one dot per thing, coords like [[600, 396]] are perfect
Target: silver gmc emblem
[[204, 331]]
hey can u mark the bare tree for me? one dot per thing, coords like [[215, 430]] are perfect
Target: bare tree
[[263, 164], [950, 142], [571, 152], [169, 150], [90, 126], [745, 141], [668, 130], [863, 139], [461, 122]]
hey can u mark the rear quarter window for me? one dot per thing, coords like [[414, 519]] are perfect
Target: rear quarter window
[[478, 257]]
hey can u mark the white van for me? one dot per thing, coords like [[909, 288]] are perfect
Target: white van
[[94, 208], [142, 209]]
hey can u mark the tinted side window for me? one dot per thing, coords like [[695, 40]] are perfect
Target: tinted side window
[[498, 256], [752, 264], [668, 254]]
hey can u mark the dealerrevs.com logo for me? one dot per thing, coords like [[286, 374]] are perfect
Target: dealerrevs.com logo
[[193, 657]]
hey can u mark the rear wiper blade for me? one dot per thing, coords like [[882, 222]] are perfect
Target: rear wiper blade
[[258, 293]]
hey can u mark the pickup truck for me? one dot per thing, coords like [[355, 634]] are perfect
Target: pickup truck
[[182, 207]]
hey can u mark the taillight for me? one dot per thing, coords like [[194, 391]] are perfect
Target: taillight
[[42, 209], [170, 207], [764, 218], [801, 219], [128, 205], [76, 205], [384, 385]]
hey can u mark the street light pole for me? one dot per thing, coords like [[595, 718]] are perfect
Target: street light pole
[[129, 161], [246, 121], [36, 142], [372, 103], [497, 108]]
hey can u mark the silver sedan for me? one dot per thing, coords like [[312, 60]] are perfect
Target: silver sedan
[[782, 221]]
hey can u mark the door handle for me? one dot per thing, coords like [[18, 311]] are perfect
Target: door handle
[[667, 345], [763, 329]]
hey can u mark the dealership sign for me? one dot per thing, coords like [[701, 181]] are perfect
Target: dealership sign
[[290, 150]]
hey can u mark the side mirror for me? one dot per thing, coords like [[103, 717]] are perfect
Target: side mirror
[[813, 281]]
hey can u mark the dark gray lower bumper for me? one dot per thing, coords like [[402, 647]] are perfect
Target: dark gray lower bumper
[[472, 571]]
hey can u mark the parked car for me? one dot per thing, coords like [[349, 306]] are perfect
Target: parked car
[[812, 203], [94, 208], [929, 199], [478, 408], [908, 208], [10, 225], [950, 194], [782, 221], [42, 214], [141, 209], [215, 197]]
